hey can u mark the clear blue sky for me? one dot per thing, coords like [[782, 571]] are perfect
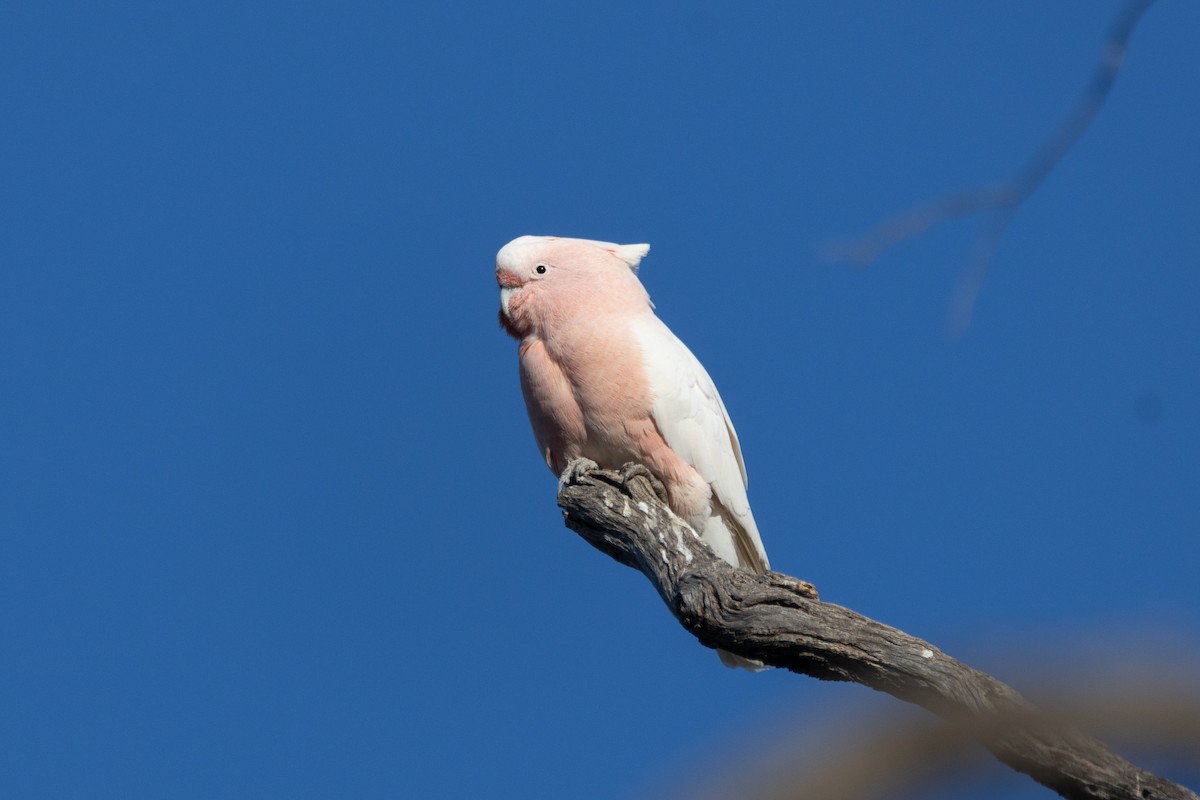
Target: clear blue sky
[[273, 522]]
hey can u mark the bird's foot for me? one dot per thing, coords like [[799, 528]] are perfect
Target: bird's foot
[[577, 469], [634, 470]]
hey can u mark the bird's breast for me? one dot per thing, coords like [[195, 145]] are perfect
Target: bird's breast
[[609, 376]]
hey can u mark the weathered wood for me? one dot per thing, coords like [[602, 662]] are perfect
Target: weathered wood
[[776, 619]]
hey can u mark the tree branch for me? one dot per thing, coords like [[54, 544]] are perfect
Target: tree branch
[[1001, 202], [775, 618]]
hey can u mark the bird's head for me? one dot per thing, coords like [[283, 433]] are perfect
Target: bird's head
[[545, 281]]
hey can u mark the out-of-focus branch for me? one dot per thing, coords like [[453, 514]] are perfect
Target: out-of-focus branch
[[775, 618], [1000, 202], [872, 756]]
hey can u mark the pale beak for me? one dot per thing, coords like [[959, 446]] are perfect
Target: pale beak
[[509, 283]]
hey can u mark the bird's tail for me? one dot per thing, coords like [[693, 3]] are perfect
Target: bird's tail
[[731, 542], [737, 662]]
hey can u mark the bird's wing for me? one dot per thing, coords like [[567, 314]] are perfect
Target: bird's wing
[[692, 419]]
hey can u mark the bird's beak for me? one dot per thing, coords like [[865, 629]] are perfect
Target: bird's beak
[[508, 284]]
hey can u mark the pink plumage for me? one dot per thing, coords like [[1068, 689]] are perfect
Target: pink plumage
[[603, 378]]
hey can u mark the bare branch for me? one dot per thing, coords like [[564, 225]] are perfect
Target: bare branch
[[775, 618], [1001, 202]]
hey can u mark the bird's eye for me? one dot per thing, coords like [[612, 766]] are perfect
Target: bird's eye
[[540, 269]]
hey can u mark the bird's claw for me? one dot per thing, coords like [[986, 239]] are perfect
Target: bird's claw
[[577, 469], [634, 470]]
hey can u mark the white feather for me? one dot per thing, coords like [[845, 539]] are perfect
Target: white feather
[[692, 419]]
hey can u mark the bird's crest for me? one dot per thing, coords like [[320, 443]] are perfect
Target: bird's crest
[[631, 254]]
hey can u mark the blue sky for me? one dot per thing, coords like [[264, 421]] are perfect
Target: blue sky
[[273, 521]]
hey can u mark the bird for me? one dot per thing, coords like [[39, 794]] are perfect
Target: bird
[[605, 379]]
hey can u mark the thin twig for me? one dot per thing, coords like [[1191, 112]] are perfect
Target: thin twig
[[1001, 202]]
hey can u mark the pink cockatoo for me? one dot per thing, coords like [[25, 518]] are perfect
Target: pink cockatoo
[[605, 379]]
